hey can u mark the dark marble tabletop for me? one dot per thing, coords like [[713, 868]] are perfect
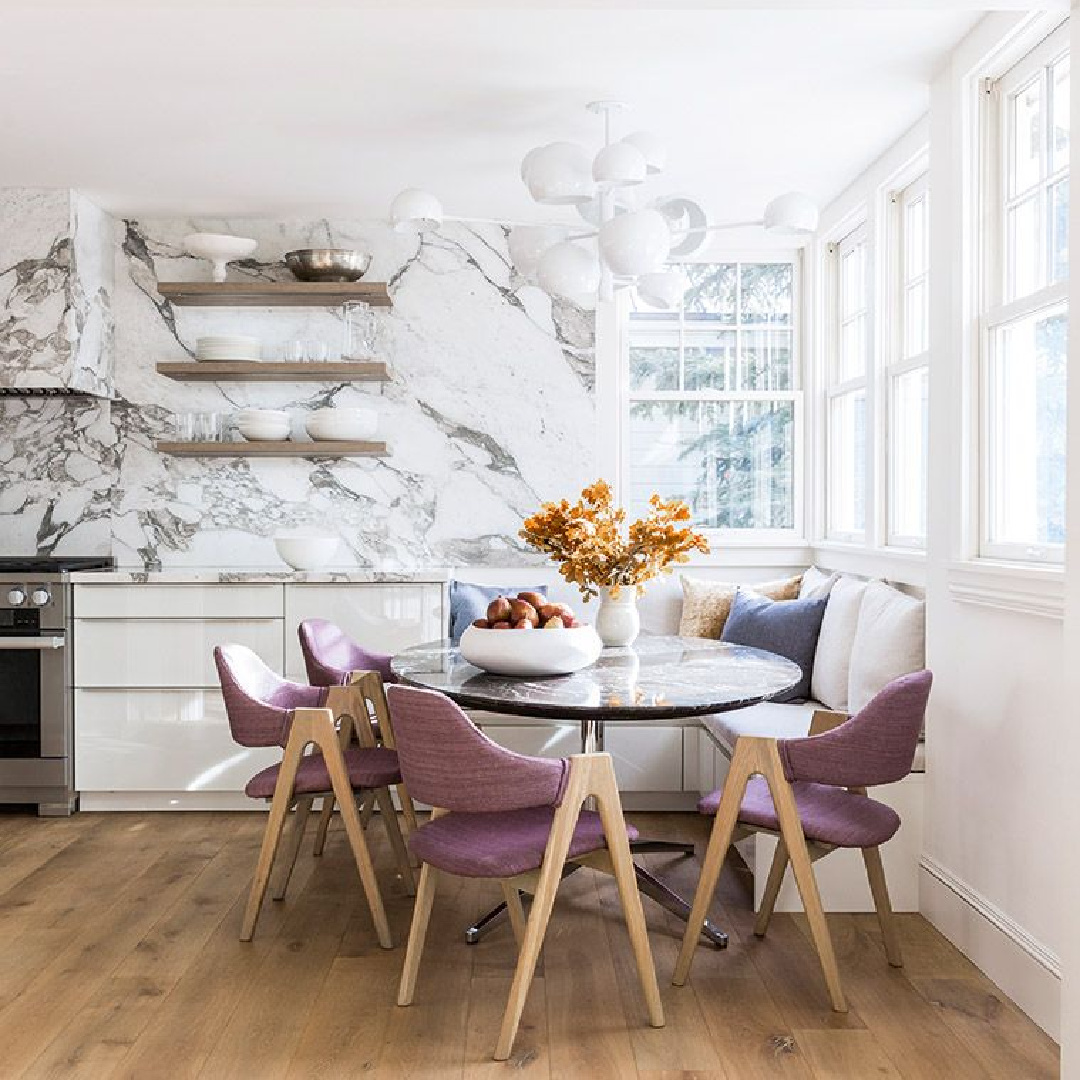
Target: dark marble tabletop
[[656, 678]]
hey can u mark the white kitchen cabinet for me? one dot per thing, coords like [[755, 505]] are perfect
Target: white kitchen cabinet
[[538, 739], [174, 741], [179, 601], [646, 758], [166, 652], [383, 617]]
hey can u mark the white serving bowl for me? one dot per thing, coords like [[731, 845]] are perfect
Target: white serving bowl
[[342, 424], [306, 551], [219, 249], [531, 652], [266, 416]]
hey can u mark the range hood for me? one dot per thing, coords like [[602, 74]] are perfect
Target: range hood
[[56, 276]]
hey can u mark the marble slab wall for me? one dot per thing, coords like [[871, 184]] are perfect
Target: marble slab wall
[[490, 410], [56, 269]]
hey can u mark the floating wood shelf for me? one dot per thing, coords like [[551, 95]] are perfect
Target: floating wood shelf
[[287, 448], [269, 371], [274, 293]]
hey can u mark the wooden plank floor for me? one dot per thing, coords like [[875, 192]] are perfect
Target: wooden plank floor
[[119, 957]]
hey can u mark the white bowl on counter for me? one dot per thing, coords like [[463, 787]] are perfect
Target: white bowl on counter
[[306, 550], [263, 425], [531, 652], [342, 425]]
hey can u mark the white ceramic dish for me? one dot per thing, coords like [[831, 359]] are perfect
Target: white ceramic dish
[[342, 424], [306, 551], [265, 416], [263, 425], [531, 652], [219, 249]]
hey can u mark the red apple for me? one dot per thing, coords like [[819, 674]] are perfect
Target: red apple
[[482, 624], [568, 620], [498, 610], [522, 609], [554, 623], [501, 625], [536, 599], [523, 624]]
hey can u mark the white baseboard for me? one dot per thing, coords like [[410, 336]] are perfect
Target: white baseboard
[[168, 800], [1025, 969]]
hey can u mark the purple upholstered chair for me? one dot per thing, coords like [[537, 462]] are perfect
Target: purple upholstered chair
[[266, 710], [811, 794], [332, 658], [513, 818]]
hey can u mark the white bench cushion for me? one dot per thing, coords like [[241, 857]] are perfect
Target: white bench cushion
[[773, 720]]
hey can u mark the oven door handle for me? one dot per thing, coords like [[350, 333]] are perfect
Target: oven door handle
[[39, 644]]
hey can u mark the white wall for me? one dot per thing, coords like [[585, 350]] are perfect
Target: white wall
[[991, 864]]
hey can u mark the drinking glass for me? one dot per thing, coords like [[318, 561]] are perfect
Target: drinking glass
[[360, 326], [294, 351], [184, 426], [316, 351], [207, 427]]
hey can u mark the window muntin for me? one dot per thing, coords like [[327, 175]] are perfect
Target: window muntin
[[714, 406], [1024, 321]]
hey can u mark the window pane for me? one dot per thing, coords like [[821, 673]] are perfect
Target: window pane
[[711, 291], [853, 281], [847, 465], [915, 236], [1024, 260], [852, 348], [1059, 142], [732, 462], [767, 360], [1026, 124], [1059, 231], [654, 368], [915, 318], [908, 454], [1027, 430], [711, 368], [767, 290]]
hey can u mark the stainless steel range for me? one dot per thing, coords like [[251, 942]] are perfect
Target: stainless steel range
[[37, 737]]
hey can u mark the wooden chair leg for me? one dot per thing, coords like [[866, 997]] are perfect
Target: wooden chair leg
[[335, 764], [727, 814], [367, 808], [279, 807], [610, 807], [393, 833], [292, 845], [558, 846], [425, 897], [791, 831], [875, 873], [325, 816], [514, 909], [772, 888]]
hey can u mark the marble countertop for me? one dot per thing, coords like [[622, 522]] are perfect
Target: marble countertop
[[210, 576]]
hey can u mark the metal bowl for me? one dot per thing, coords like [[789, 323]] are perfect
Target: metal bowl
[[328, 264]]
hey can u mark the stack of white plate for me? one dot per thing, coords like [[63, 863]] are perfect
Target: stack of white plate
[[227, 347]]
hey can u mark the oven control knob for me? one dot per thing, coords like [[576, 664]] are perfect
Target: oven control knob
[[16, 597], [40, 597]]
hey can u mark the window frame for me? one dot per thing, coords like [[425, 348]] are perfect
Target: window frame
[[854, 233], [913, 186], [996, 309], [720, 538]]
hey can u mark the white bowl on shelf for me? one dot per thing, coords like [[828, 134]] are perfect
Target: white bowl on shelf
[[263, 425], [531, 652], [306, 550], [342, 425], [219, 249]]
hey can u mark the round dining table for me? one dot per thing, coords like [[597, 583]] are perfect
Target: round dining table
[[657, 678]]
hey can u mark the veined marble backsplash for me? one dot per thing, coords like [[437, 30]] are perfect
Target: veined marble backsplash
[[490, 410]]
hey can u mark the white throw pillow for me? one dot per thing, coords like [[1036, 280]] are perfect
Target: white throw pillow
[[832, 661], [890, 641], [816, 583]]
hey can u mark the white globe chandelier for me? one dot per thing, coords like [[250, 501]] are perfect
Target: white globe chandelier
[[624, 239]]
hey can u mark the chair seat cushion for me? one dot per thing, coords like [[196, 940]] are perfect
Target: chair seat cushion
[[500, 845], [367, 768], [831, 815]]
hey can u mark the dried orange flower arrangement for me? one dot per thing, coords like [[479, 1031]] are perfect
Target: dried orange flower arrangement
[[596, 549]]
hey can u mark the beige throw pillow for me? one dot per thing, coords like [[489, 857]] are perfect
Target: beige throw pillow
[[707, 604], [890, 641], [832, 661]]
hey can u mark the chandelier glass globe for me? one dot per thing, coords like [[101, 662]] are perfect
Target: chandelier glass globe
[[568, 270], [528, 242], [559, 175], [635, 243]]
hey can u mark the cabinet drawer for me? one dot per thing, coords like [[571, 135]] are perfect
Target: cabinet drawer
[[227, 601], [646, 758], [384, 618], [177, 653], [160, 740]]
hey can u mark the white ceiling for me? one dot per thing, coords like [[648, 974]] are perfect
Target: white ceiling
[[291, 109]]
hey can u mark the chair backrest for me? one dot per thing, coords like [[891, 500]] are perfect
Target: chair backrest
[[448, 762], [330, 654], [259, 703], [875, 746]]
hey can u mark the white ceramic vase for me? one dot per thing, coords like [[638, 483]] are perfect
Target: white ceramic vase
[[617, 621]]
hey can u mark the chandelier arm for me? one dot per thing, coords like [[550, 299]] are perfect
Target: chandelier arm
[[719, 228]]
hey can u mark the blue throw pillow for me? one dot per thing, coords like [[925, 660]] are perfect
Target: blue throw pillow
[[788, 628], [469, 602]]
